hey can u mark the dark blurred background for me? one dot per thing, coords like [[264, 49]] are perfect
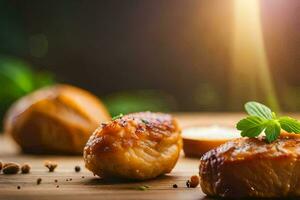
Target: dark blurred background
[[168, 55]]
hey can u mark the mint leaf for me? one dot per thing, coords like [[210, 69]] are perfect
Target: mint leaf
[[289, 124], [257, 109], [252, 132], [251, 126], [250, 122], [263, 119], [273, 130]]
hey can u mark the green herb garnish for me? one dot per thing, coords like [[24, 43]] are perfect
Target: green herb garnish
[[117, 117], [142, 187], [262, 119]]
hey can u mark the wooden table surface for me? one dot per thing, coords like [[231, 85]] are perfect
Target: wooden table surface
[[86, 186]]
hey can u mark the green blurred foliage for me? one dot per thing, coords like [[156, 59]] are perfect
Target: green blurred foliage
[[139, 100], [17, 78]]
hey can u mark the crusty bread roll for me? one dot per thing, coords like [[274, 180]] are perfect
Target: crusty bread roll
[[199, 140], [137, 146], [56, 119]]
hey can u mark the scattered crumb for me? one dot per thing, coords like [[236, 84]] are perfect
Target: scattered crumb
[[194, 181], [25, 169], [77, 168], [82, 177], [57, 186], [55, 180], [38, 181], [188, 184], [18, 187], [175, 186], [50, 165]]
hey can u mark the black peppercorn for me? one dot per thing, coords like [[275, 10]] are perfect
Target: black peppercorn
[[188, 184], [77, 168]]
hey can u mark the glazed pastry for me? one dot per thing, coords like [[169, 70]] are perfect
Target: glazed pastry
[[136, 146], [57, 119], [251, 167]]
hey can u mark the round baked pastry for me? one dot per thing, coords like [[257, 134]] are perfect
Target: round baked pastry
[[136, 146], [56, 119]]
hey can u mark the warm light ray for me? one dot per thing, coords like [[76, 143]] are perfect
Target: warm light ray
[[251, 77]]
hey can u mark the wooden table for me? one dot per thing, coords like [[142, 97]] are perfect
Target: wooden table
[[85, 186]]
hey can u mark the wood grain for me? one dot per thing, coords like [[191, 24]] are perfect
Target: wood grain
[[91, 187]]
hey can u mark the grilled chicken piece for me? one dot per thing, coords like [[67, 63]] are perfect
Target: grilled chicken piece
[[251, 167], [136, 146]]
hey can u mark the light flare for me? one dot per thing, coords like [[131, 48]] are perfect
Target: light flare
[[250, 75]]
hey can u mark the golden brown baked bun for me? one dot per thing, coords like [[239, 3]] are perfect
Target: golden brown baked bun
[[136, 146], [56, 119]]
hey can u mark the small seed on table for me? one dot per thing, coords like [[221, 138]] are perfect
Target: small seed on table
[[50, 165], [194, 181], [25, 169], [188, 184], [77, 168], [38, 181], [11, 168]]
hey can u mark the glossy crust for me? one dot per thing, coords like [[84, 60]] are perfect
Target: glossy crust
[[250, 167], [137, 146], [56, 120]]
